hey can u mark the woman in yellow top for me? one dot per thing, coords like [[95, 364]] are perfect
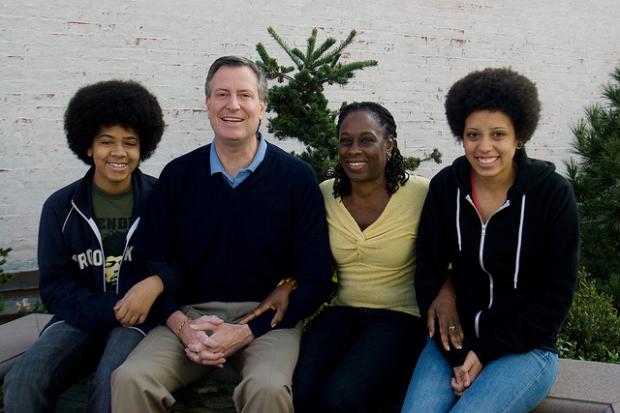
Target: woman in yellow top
[[361, 349]]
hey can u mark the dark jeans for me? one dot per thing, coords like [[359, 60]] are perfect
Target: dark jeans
[[356, 359], [61, 357]]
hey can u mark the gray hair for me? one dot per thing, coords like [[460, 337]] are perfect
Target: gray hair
[[238, 61]]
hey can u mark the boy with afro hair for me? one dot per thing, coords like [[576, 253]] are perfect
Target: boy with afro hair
[[89, 277]]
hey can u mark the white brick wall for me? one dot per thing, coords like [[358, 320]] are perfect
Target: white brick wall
[[49, 49]]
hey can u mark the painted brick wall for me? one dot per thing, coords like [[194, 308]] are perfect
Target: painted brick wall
[[49, 49]]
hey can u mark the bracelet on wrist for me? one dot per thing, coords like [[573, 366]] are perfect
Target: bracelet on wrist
[[290, 280], [182, 325]]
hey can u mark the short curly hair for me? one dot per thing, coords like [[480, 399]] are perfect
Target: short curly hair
[[395, 167], [113, 102], [494, 89]]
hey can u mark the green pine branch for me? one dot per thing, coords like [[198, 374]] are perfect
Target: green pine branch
[[284, 46], [311, 46], [322, 49], [331, 55]]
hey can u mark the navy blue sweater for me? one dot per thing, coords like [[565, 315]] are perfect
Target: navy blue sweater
[[71, 256], [235, 244]]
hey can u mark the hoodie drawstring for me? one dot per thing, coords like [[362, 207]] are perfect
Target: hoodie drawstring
[[458, 213], [517, 259], [519, 237]]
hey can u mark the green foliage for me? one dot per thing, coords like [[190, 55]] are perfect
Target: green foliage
[[4, 276], [596, 179], [414, 162], [300, 105], [25, 307], [592, 329]]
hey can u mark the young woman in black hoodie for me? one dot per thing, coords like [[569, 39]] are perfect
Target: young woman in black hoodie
[[503, 227]]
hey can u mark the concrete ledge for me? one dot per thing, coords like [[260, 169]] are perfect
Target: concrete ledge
[[17, 336], [584, 387], [23, 280]]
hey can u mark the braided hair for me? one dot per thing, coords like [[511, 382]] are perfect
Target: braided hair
[[395, 167]]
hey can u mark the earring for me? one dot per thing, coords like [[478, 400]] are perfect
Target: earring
[[519, 145]]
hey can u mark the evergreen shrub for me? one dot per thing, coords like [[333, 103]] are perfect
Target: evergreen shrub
[[595, 176], [592, 329]]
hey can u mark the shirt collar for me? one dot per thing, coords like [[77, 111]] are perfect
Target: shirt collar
[[217, 167]]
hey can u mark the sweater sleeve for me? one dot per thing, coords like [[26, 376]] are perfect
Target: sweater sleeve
[[431, 249], [432, 260], [534, 317], [155, 247], [61, 292], [312, 256]]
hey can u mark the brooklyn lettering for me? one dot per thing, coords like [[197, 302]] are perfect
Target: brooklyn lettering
[[90, 257]]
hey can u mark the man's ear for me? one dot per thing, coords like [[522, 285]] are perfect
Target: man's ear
[[262, 105]]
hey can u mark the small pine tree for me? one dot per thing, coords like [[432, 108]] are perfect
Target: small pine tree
[[596, 180], [300, 105]]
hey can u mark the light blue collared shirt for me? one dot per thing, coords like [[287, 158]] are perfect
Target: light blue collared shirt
[[216, 165]]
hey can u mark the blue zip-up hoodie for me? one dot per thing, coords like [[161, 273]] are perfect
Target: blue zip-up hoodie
[[514, 275], [72, 260]]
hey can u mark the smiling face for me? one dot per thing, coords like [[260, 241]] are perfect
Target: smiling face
[[490, 144], [116, 154], [363, 147], [234, 107]]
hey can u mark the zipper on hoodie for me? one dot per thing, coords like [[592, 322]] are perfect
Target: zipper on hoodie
[[93, 226], [95, 229], [483, 232], [132, 229]]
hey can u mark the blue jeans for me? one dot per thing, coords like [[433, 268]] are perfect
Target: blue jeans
[[356, 359], [61, 357], [512, 383]]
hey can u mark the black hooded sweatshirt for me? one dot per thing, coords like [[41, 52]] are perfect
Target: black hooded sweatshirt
[[514, 276]]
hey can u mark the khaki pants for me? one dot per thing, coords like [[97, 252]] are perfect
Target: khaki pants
[[158, 366]]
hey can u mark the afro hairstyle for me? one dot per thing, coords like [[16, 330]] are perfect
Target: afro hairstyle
[[494, 89], [113, 102]]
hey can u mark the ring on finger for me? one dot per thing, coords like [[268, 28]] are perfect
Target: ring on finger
[[453, 329]]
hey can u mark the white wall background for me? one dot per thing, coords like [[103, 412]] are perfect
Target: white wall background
[[49, 49]]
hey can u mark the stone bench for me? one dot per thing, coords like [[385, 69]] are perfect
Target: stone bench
[[17, 336], [582, 386]]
